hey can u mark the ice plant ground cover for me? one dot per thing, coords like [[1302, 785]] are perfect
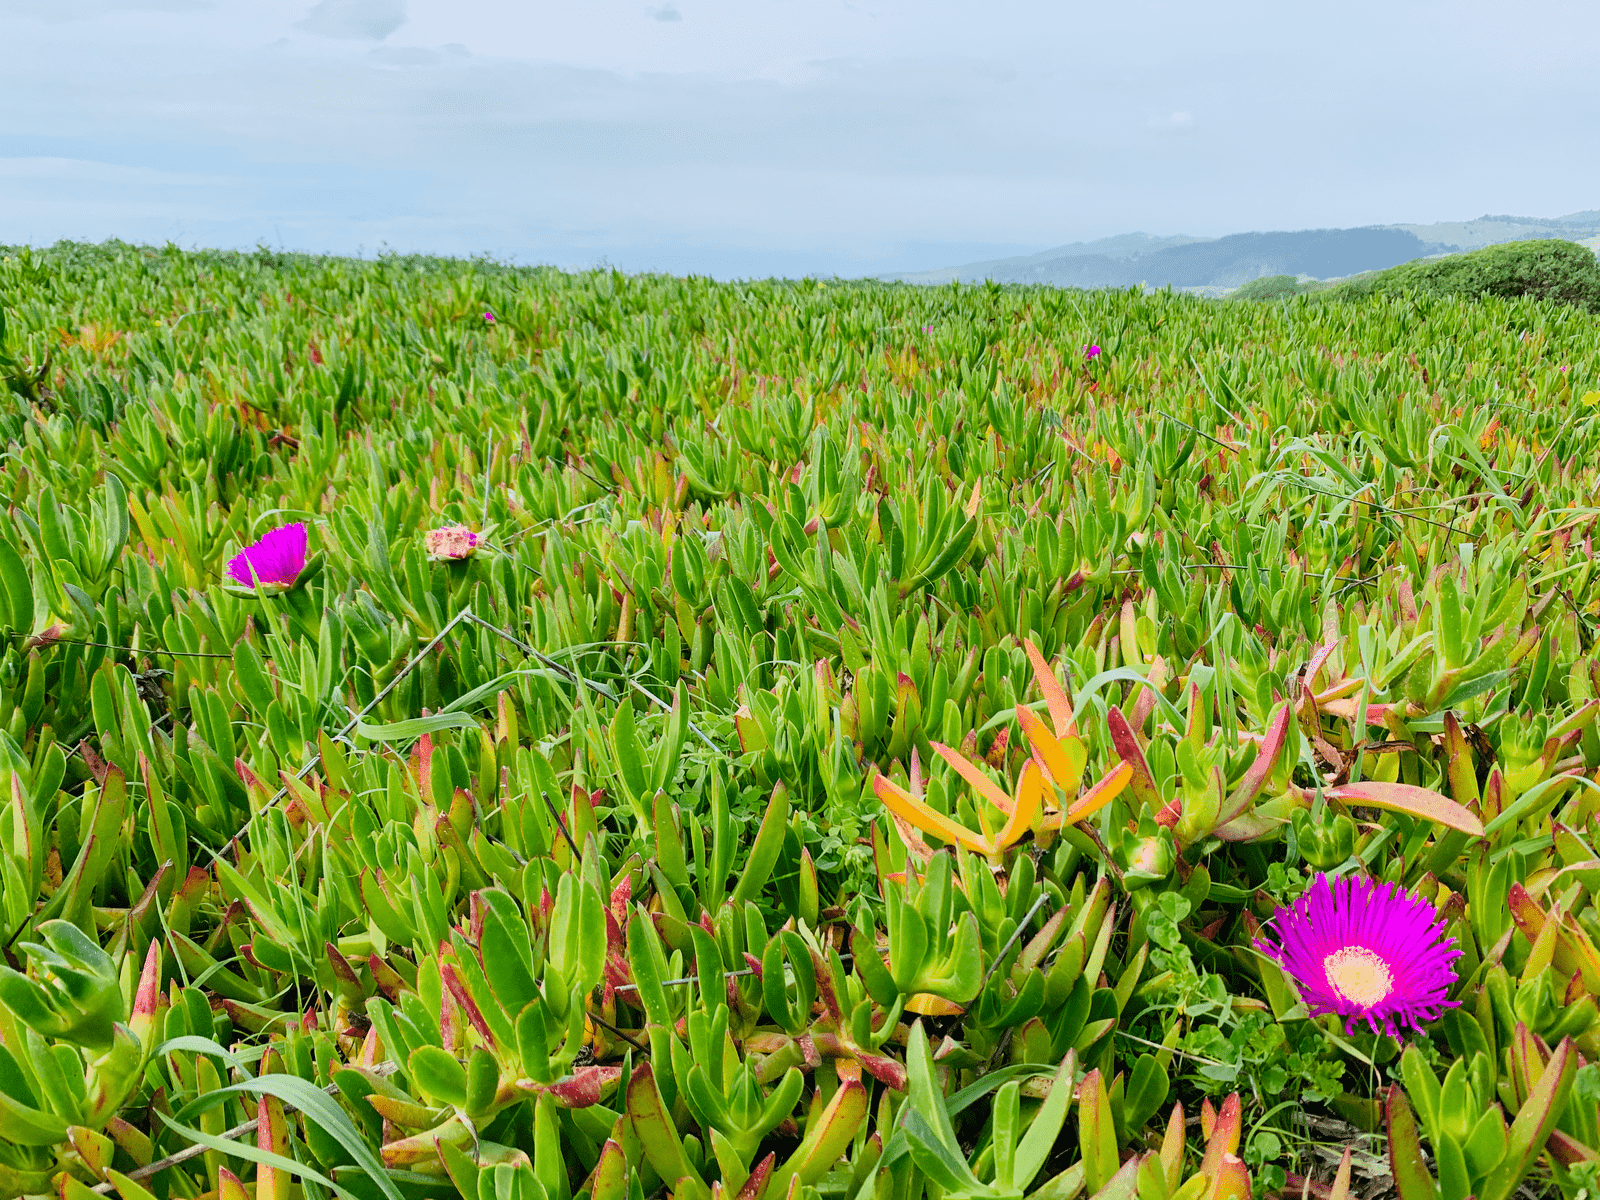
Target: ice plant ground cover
[[484, 731]]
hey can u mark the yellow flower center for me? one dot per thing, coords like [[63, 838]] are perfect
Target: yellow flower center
[[1359, 975]]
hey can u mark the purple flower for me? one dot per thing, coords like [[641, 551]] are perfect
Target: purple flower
[[276, 560], [451, 542], [488, 316], [1091, 351], [927, 329], [1365, 952]]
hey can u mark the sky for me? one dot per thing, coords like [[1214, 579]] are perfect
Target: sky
[[780, 137]]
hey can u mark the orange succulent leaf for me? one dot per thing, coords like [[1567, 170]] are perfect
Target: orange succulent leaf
[[1055, 698], [1052, 755], [1232, 1180], [1224, 1135], [1030, 803], [1100, 795], [903, 804], [981, 783]]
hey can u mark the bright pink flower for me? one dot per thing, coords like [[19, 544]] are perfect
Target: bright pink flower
[[451, 542], [488, 316], [1366, 952], [276, 559], [1091, 351]]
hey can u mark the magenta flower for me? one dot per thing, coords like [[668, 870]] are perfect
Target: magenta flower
[[451, 542], [488, 316], [1365, 952], [276, 559], [1091, 351]]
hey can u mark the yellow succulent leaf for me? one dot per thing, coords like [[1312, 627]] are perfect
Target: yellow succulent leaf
[[903, 804], [1048, 750], [1100, 795], [1030, 802], [981, 783], [925, 1004]]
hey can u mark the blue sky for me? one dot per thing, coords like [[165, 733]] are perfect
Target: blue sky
[[779, 136]]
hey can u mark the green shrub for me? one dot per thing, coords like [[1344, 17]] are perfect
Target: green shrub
[[1546, 269], [1276, 287]]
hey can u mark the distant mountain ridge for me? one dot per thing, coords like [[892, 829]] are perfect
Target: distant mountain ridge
[[1228, 262]]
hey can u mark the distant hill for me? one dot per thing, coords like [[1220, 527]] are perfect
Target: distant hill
[[1491, 231], [1122, 247], [1219, 264]]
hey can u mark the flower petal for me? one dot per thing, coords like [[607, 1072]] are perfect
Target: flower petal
[[1352, 920]]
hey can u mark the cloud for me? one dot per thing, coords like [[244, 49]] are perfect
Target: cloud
[[667, 12], [778, 141], [373, 20], [405, 56], [1174, 122], [57, 11]]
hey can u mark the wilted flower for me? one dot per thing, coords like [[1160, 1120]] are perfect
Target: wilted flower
[[451, 542], [1091, 351], [1366, 952], [276, 559]]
